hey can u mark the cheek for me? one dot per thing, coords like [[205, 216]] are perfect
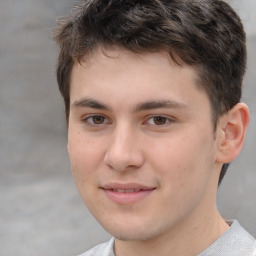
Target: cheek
[[171, 154], [183, 161], [84, 157], [183, 168]]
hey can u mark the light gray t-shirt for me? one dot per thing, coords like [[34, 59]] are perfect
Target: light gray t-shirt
[[236, 241]]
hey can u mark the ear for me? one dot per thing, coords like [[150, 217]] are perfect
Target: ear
[[231, 132]]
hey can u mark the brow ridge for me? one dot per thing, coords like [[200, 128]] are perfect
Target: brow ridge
[[148, 105], [90, 103], [159, 104]]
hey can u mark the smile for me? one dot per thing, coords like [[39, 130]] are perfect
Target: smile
[[127, 193]]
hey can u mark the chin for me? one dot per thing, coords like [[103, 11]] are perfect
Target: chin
[[131, 236], [135, 232]]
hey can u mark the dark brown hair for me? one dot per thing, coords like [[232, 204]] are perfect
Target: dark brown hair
[[206, 34]]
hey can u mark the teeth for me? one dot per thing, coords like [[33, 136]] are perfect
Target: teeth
[[126, 191], [120, 191], [130, 191]]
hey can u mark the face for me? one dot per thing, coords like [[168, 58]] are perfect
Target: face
[[141, 143]]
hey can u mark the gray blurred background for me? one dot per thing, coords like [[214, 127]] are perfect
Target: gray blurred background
[[40, 210]]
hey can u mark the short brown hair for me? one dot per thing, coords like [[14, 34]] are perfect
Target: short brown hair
[[206, 34]]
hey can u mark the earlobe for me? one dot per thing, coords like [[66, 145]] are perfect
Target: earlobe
[[232, 129]]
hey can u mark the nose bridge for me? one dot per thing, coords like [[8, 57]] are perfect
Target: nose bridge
[[123, 150]]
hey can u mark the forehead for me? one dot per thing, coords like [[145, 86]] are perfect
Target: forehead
[[133, 75], [156, 59], [117, 59]]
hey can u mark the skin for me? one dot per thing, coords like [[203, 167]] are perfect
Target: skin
[[138, 120]]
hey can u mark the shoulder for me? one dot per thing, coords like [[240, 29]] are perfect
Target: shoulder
[[105, 249], [236, 241]]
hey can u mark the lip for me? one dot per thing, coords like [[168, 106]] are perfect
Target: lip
[[126, 193]]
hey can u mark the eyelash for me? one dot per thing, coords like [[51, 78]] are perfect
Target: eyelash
[[86, 121], [166, 120], [149, 121]]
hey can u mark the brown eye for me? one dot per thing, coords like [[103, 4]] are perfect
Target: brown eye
[[159, 120], [98, 119], [95, 120]]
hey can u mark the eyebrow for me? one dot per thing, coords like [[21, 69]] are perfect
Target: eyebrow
[[90, 103], [148, 105], [159, 104]]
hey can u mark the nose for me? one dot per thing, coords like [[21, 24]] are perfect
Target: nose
[[124, 152]]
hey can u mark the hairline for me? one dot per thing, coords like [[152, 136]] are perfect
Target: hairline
[[174, 59]]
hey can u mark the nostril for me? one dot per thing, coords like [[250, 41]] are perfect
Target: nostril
[[122, 162], [123, 153]]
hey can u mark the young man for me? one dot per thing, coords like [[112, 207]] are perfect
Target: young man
[[152, 93]]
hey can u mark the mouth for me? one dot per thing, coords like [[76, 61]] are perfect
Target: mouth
[[126, 193], [125, 190]]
